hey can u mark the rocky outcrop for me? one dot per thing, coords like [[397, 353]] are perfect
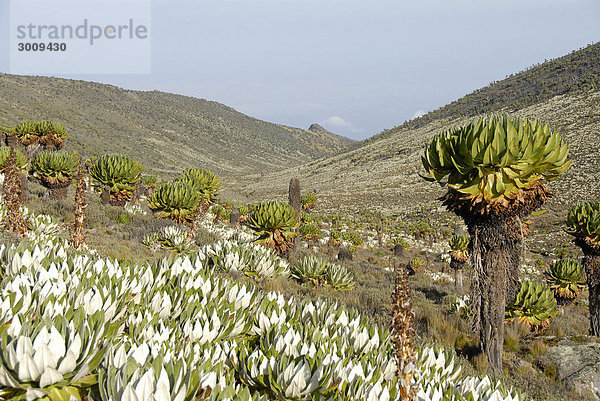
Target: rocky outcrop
[[319, 129], [578, 365]]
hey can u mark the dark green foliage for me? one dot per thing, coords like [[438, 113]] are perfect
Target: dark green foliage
[[205, 182], [350, 236], [308, 201], [583, 222], [175, 200], [565, 278], [310, 232], [55, 169], [123, 219], [534, 305], [119, 173]]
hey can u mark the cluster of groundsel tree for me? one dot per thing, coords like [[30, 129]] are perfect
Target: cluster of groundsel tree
[[494, 170], [47, 134]]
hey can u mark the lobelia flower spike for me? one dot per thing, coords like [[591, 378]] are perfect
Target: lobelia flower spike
[[403, 333], [14, 220], [78, 228]]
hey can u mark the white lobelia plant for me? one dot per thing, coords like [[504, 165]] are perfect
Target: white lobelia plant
[[243, 343], [157, 380], [51, 360], [250, 259]]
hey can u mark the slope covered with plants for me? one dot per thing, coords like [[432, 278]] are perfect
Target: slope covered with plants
[[164, 131]]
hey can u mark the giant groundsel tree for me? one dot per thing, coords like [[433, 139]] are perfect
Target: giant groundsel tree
[[493, 168], [583, 222], [119, 174]]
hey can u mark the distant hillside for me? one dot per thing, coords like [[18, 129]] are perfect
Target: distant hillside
[[165, 132], [575, 73], [383, 172]]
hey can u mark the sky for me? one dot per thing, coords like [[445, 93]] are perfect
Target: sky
[[355, 67]]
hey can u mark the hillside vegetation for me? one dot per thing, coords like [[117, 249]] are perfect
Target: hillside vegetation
[[166, 132]]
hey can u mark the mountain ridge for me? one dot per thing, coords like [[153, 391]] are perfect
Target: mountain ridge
[[168, 132]]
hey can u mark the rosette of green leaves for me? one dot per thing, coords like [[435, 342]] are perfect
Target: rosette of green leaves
[[352, 237], [459, 247], [583, 222], [20, 158], [175, 200], [417, 263], [566, 278], [205, 182], [308, 201], [310, 269], [534, 305], [493, 158], [243, 209], [310, 232], [55, 169], [274, 222], [117, 172], [52, 359], [44, 132], [338, 278]]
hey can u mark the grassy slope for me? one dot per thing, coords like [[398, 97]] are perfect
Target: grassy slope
[[382, 172], [166, 132]]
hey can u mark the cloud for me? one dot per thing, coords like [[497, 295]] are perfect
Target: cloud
[[338, 122], [418, 113]]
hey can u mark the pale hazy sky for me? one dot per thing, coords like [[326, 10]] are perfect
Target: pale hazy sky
[[356, 67]]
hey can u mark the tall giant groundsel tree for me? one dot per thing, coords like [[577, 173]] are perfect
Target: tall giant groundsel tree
[[494, 169]]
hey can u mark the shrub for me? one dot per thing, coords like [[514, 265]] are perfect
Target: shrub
[[310, 232], [274, 222], [403, 243], [308, 201], [319, 272], [534, 305], [45, 133], [583, 222], [459, 247], [55, 169], [417, 263], [123, 219], [175, 200], [205, 182], [566, 279], [119, 174]]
